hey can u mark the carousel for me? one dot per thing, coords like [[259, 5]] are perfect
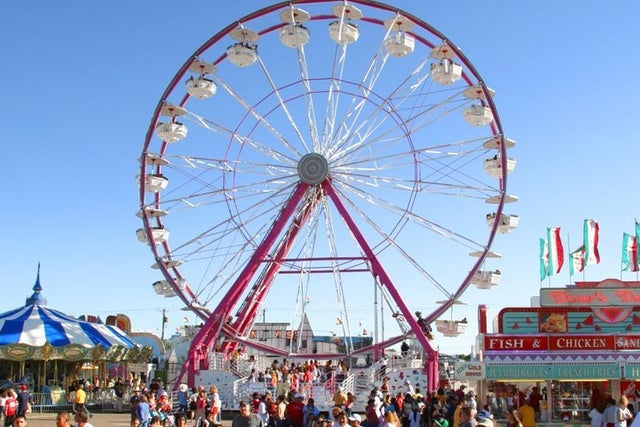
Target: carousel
[[49, 350]]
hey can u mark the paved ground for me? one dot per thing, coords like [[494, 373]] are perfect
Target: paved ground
[[98, 420]]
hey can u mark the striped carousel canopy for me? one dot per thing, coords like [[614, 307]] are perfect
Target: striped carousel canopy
[[35, 325], [36, 331]]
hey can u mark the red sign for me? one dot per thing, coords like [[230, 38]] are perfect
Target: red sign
[[493, 342], [582, 342], [515, 342], [590, 297], [627, 342]]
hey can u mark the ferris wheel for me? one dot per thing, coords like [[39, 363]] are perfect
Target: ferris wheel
[[341, 163]]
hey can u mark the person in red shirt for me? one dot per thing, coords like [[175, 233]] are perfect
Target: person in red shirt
[[295, 411], [10, 408], [255, 402]]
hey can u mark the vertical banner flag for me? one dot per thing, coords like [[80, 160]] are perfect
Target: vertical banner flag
[[576, 259], [556, 251], [591, 231], [629, 252], [544, 259]]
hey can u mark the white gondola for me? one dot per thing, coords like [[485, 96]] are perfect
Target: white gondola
[[294, 35], [507, 222], [160, 235], [168, 263], [155, 160], [493, 166], [242, 54], [171, 110], [497, 141], [162, 287], [343, 32], [478, 115], [490, 254], [201, 87], [155, 182], [478, 92], [443, 51], [201, 67], [486, 279], [152, 212], [294, 15], [446, 72], [451, 328], [399, 44], [171, 132], [508, 198]]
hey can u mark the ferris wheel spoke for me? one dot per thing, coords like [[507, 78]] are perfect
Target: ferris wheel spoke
[[358, 103], [311, 114], [410, 126], [380, 114], [268, 151], [399, 212], [333, 94], [283, 106], [262, 120], [206, 194], [337, 276], [440, 169], [371, 77], [389, 240], [262, 211]]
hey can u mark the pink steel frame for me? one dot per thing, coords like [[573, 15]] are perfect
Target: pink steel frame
[[217, 324]]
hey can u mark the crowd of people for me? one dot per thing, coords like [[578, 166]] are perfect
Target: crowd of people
[[14, 405], [287, 401], [151, 406]]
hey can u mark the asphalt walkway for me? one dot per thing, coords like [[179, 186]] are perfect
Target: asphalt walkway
[[98, 420]]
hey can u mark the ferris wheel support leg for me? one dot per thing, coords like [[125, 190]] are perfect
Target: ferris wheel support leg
[[379, 271], [248, 312]]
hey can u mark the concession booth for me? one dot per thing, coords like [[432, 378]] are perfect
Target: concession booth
[[578, 346]]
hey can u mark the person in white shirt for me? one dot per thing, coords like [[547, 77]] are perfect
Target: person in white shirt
[[622, 412], [596, 415]]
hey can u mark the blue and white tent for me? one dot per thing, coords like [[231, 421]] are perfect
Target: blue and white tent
[[37, 332]]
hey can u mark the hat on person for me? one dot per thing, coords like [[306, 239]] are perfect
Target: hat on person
[[485, 422], [483, 415], [184, 387], [23, 386], [355, 417]]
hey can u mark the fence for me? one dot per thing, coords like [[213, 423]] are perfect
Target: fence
[[55, 401]]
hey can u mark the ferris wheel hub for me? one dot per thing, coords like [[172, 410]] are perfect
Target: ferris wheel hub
[[313, 168]]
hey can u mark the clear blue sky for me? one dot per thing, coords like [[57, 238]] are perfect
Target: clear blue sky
[[80, 80]]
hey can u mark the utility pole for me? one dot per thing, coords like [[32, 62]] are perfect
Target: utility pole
[[164, 321]]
